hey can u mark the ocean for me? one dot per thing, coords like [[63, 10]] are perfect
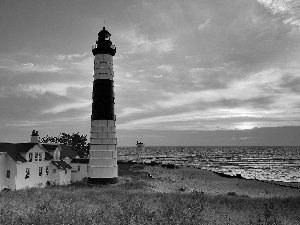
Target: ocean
[[267, 163]]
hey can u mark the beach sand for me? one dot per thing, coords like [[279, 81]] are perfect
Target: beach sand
[[188, 179]]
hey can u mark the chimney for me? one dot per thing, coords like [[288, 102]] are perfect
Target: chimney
[[35, 137]]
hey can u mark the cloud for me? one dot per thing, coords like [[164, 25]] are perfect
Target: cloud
[[262, 84], [166, 68], [70, 56], [212, 119], [193, 120], [85, 65], [28, 67], [129, 111], [256, 96], [45, 89], [26, 123], [290, 10], [203, 25], [55, 88], [139, 43], [55, 76], [65, 107], [233, 66]]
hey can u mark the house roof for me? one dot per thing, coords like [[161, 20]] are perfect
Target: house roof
[[4, 147], [66, 151], [48, 156], [50, 147], [14, 149], [61, 165], [24, 147], [80, 160], [16, 156]]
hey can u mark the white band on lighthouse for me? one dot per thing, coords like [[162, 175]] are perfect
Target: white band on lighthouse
[[103, 67]]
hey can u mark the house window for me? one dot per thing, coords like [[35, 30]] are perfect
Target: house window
[[56, 156], [40, 171], [47, 170], [8, 174], [54, 170], [40, 156], [27, 173], [66, 171], [78, 168], [30, 156], [36, 157]]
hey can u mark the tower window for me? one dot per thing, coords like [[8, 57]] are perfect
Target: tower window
[[30, 157], [8, 174], [27, 173]]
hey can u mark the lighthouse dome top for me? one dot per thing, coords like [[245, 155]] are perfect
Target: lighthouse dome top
[[104, 35]]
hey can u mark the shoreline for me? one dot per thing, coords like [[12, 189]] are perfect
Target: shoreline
[[174, 178], [295, 185]]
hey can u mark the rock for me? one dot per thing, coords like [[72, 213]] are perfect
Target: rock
[[182, 189]]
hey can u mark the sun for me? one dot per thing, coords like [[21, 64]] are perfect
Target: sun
[[245, 125]]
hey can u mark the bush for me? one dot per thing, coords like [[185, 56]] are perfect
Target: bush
[[231, 193], [137, 167]]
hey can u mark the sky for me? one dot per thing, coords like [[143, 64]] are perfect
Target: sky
[[193, 73]]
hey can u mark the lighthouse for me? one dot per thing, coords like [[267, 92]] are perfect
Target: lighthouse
[[102, 167]]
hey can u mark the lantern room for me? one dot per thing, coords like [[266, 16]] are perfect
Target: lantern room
[[103, 44]]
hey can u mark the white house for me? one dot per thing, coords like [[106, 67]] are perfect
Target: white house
[[79, 169], [32, 164]]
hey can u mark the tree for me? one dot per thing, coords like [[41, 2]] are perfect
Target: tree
[[76, 142]]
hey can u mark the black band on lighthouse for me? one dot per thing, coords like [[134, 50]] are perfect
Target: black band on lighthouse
[[103, 100]]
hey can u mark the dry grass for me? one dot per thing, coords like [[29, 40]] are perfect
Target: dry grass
[[130, 202]]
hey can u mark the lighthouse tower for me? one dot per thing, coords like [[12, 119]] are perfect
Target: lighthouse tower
[[103, 166]]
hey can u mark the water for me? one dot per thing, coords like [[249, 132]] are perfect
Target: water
[[261, 163]]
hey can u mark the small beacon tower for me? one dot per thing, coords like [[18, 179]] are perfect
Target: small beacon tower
[[103, 166], [140, 150], [140, 146]]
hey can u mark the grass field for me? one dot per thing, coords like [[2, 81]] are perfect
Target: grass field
[[132, 202]]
